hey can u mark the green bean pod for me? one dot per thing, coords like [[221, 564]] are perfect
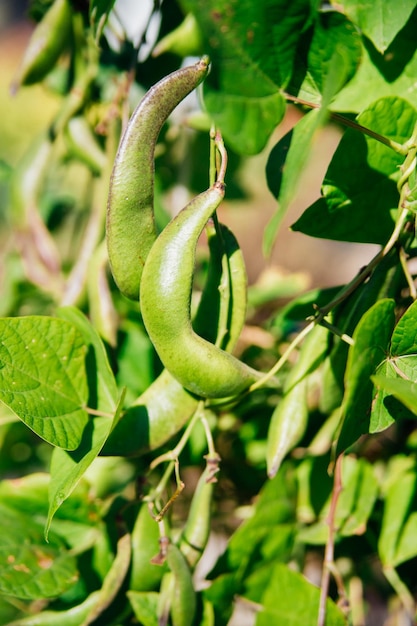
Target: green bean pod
[[72, 617], [183, 598], [165, 294], [131, 228], [144, 575], [221, 312], [165, 407], [47, 43], [83, 145], [196, 531]]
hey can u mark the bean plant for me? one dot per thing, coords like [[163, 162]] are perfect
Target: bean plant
[[160, 465]]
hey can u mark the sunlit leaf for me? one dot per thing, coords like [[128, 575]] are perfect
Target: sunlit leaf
[[30, 568], [43, 378], [291, 599], [380, 21], [371, 341]]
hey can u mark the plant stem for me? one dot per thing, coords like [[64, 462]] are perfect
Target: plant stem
[[328, 564], [397, 147], [348, 289]]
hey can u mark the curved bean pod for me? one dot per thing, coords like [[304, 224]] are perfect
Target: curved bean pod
[[165, 407], [130, 218], [165, 294], [46, 44]]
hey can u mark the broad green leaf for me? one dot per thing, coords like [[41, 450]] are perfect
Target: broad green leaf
[[30, 568], [354, 506], [396, 375], [333, 33], [371, 341], [145, 606], [275, 506], [386, 407], [246, 122], [301, 140], [404, 337], [404, 390], [359, 190], [43, 378], [103, 393], [78, 519], [390, 74], [252, 46], [68, 467], [380, 21], [291, 599], [399, 511]]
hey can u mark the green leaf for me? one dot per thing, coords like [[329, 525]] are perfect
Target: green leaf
[[394, 378], [291, 599], [68, 467], [333, 34], [145, 606], [275, 506], [359, 190], [390, 74], [396, 542], [103, 392], [404, 390], [404, 337], [252, 46], [29, 568], [380, 21], [43, 378], [300, 145], [246, 122], [354, 507], [371, 341]]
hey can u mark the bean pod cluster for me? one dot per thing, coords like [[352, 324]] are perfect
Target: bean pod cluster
[[159, 268]]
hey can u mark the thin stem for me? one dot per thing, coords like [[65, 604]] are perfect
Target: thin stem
[[77, 279], [212, 171], [402, 591], [173, 454], [180, 487], [328, 564], [157, 492], [223, 154], [333, 329], [284, 358], [408, 277], [346, 291], [397, 147]]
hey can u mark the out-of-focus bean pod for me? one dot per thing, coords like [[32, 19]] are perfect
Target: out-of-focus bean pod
[[72, 617], [46, 44], [196, 531], [83, 145], [183, 597], [145, 576], [130, 215]]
